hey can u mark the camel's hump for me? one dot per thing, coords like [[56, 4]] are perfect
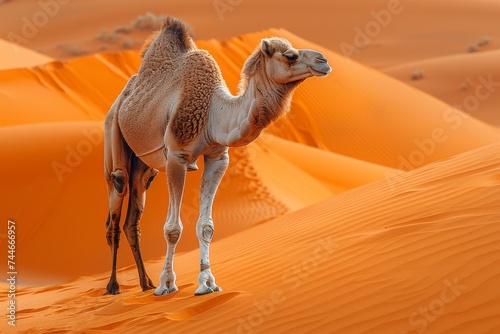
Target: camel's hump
[[175, 36], [178, 28]]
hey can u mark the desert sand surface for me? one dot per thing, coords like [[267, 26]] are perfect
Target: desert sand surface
[[368, 260], [372, 207]]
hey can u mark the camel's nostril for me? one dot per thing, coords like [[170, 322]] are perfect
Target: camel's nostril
[[321, 59]]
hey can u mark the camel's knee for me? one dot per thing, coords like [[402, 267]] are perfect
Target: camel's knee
[[206, 232], [172, 236], [119, 179]]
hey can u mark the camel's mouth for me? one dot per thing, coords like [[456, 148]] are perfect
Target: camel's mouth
[[320, 73]]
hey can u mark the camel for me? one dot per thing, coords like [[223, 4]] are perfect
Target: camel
[[176, 109]]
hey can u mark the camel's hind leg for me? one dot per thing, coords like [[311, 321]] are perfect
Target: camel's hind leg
[[141, 177], [116, 173], [116, 193]]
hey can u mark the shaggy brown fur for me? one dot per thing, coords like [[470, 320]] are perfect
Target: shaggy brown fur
[[171, 26], [198, 85], [165, 59]]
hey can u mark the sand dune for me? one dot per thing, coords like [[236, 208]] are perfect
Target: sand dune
[[372, 207], [332, 173], [17, 56], [413, 253], [80, 89], [469, 82]]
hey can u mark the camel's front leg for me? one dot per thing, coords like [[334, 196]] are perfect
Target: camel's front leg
[[176, 174], [213, 172]]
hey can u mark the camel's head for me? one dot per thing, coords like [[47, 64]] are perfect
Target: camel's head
[[285, 64]]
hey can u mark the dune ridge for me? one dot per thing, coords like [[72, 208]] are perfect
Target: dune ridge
[[17, 56], [76, 90]]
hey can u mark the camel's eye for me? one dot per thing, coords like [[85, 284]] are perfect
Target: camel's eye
[[291, 56]]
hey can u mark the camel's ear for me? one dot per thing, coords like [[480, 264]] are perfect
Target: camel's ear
[[266, 47]]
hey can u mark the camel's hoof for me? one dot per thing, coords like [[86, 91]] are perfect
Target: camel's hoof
[[148, 285], [164, 291], [113, 288], [206, 290]]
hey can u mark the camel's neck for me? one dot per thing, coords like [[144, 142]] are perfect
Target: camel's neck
[[239, 120]]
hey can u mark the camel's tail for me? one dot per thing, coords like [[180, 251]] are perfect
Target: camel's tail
[[176, 33]]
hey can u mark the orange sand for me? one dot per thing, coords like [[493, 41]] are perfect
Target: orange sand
[[371, 208], [416, 252]]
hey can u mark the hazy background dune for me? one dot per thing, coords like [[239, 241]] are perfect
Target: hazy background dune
[[372, 207]]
